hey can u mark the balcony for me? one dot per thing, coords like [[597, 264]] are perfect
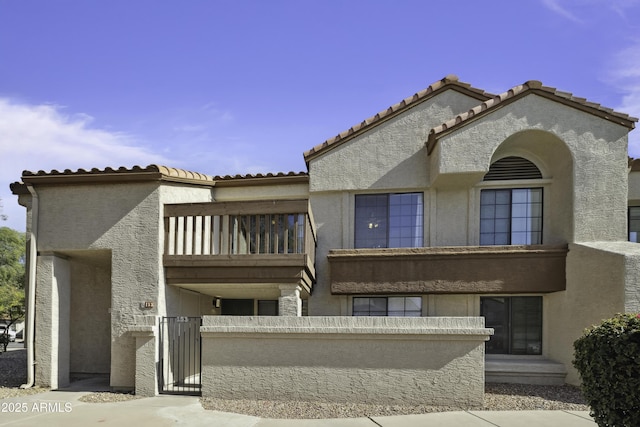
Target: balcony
[[233, 243], [449, 270]]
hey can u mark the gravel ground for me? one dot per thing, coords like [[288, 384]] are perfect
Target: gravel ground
[[13, 373], [498, 397]]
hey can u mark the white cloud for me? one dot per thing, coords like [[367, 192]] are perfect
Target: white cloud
[[624, 75], [43, 137], [620, 7], [569, 9], [555, 6]]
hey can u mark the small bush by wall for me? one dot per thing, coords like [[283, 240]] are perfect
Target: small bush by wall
[[607, 357]]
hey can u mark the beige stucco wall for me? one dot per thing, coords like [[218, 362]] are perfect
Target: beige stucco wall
[[125, 219], [111, 236], [336, 359], [583, 161], [448, 218], [328, 211], [452, 305], [52, 321], [602, 280], [109, 217], [261, 192], [391, 155], [90, 321], [597, 148]]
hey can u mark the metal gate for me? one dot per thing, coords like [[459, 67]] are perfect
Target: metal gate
[[180, 366]]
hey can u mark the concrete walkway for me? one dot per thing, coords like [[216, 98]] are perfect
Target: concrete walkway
[[62, 408]]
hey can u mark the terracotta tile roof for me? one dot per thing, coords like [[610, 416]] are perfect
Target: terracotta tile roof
[[261, 179], [531, 86], [136, 173], [449, 82], [260, 176], [148, 173]]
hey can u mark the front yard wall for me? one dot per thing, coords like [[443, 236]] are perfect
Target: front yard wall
[[335, 359]]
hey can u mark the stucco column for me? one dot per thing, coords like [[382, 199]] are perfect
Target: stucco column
[[289, 303], [146, 351], [52, 321]]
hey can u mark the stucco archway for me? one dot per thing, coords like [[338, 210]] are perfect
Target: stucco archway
[[555, 161]]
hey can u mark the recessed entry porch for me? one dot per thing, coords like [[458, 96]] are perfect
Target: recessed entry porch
[[73, 326]]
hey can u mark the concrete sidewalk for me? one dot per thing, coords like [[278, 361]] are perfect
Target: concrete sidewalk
[[62, 408]]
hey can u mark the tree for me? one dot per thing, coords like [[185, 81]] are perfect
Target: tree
[[12, 274], [3, 217]]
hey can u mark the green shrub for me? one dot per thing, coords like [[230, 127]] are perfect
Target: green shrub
[[607, 357]]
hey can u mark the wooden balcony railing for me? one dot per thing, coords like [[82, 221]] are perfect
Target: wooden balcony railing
[[239, 228]]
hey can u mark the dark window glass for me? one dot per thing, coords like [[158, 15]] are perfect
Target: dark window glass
[[517, 324], [634, 224], [511, 216], [237, 307], [387, 306], [389, 220], [267, 307]]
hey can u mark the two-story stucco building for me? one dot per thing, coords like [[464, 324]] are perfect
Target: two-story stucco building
[[451, 208]]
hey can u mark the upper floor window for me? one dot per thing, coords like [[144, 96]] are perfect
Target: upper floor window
[[389, 220], [634, 224], [511, 216]]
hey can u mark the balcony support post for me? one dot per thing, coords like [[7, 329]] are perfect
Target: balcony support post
[[289, 303]]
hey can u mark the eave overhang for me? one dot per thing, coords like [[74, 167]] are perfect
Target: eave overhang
[[152, 173]]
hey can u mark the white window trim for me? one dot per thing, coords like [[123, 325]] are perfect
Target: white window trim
[[474, 217], [349, 213]]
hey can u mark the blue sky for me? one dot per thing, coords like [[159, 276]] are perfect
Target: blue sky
[[225, 87]]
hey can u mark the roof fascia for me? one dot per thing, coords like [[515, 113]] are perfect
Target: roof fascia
[[152, 173], [249, 181]]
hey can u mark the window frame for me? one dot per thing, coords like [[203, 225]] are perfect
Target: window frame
[[511, 188], [530, 344], [629, 219], [392, 232], [378, 298]]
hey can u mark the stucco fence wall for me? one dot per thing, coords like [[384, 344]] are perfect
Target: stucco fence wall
[[426, 360]]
